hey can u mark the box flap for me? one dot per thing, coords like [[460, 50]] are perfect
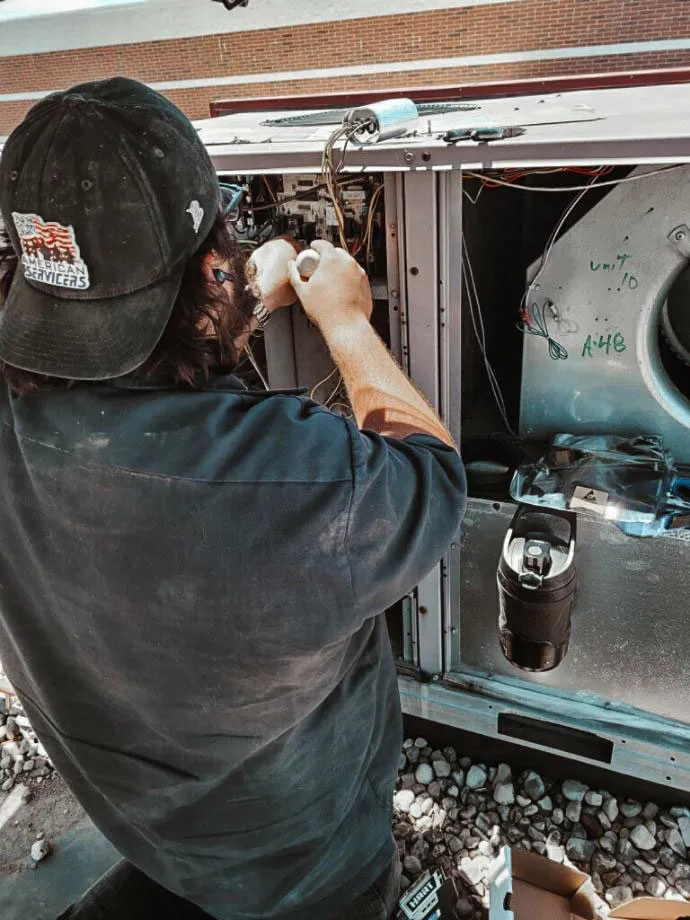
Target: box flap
[[525, 886], [652, 909]]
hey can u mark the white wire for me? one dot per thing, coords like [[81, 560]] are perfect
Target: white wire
[[554, 236], [321, 383], [250, 355], [573, 188]]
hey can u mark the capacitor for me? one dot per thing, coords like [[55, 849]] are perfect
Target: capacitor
[[307, 263]]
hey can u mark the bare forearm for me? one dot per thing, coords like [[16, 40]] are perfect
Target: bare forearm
[[383, 398]]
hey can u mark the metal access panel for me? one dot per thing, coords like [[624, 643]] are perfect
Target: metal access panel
[[620, 699]]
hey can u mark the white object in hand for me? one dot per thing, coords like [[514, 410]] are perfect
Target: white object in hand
[[307, 263]]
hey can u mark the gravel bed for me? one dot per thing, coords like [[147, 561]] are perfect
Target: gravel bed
[[22, 756], [455, 814]]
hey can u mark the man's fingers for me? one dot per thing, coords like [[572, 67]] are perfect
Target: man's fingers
[[322, 247], [294, 276]]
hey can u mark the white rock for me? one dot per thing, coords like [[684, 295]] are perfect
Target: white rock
[[424, 774], [675, 841], [412, 866], [595, 799], [441, 768], [403, 800], [421, 743], [545, 804], [655, 887], [504, 793], [504, 774], [40, 850], [619, 895], [610, 809], [641, 838], [579, 850], [453, 791], [477, 776], [573, 790], [558, 817], [631, 809], [573, 811], [684, 828]]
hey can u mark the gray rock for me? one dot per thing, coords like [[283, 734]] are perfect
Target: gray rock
[[650, 811], [558, 817], [404, 883], [579, 850], [673, 838], [646, 868], [595, 799], [626, 851], [683, 888], [483, 824], [454, 844], [434, 789], [441, 768], [7, 785], [504, 793], [407, 743], [29, 765], [40, 850], [504, 774], [619, 895], [477, 776], [573, 790], [522, 800], [680, 811], [604, 821], [641, 838], [545, 805], [465, 763], [573, 811], [539, 847], [534, 786], [655, 886], [412, 866], [426, 804], [530, 811], [413, 756], [421, 743], [453, 791], [631, 809], [424, 774], [606, 844], [602, 863], [403, 799], [684, 828], [535, 834], [407, 780], [610, 809], [668, 821], [450, 754]]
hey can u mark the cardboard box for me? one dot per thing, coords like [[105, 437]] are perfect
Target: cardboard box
[[524, 886]]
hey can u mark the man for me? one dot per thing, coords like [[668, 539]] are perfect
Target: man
[[192, 574]]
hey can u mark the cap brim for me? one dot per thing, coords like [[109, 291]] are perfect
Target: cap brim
[[82, 339]]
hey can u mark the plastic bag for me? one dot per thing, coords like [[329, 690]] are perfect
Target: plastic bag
[[630, 481]]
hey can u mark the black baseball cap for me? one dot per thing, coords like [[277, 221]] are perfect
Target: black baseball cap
[[106, 191]]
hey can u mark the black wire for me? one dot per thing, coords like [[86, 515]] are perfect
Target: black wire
[[539, 326]]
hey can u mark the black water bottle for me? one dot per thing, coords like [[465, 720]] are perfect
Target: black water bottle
[[536, 588]]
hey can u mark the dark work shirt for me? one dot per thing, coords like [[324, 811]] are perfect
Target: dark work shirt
[[191, 589]]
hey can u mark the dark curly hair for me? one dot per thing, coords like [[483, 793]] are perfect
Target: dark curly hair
[[201, 332]]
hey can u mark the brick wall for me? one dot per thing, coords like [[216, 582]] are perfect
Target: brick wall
[[503, 28]]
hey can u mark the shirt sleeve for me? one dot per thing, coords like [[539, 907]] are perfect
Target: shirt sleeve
[[408, 500]]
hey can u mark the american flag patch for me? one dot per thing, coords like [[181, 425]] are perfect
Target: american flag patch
[[50, 253]]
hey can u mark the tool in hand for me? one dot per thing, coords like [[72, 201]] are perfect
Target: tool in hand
[[307, 263]]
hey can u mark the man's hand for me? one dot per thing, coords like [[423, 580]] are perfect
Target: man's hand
[[338, 292], [267, 267]]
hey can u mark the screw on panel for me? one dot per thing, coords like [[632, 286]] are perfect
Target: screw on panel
[[423, 610], [680, 235], [394, 292], [408, 156]]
